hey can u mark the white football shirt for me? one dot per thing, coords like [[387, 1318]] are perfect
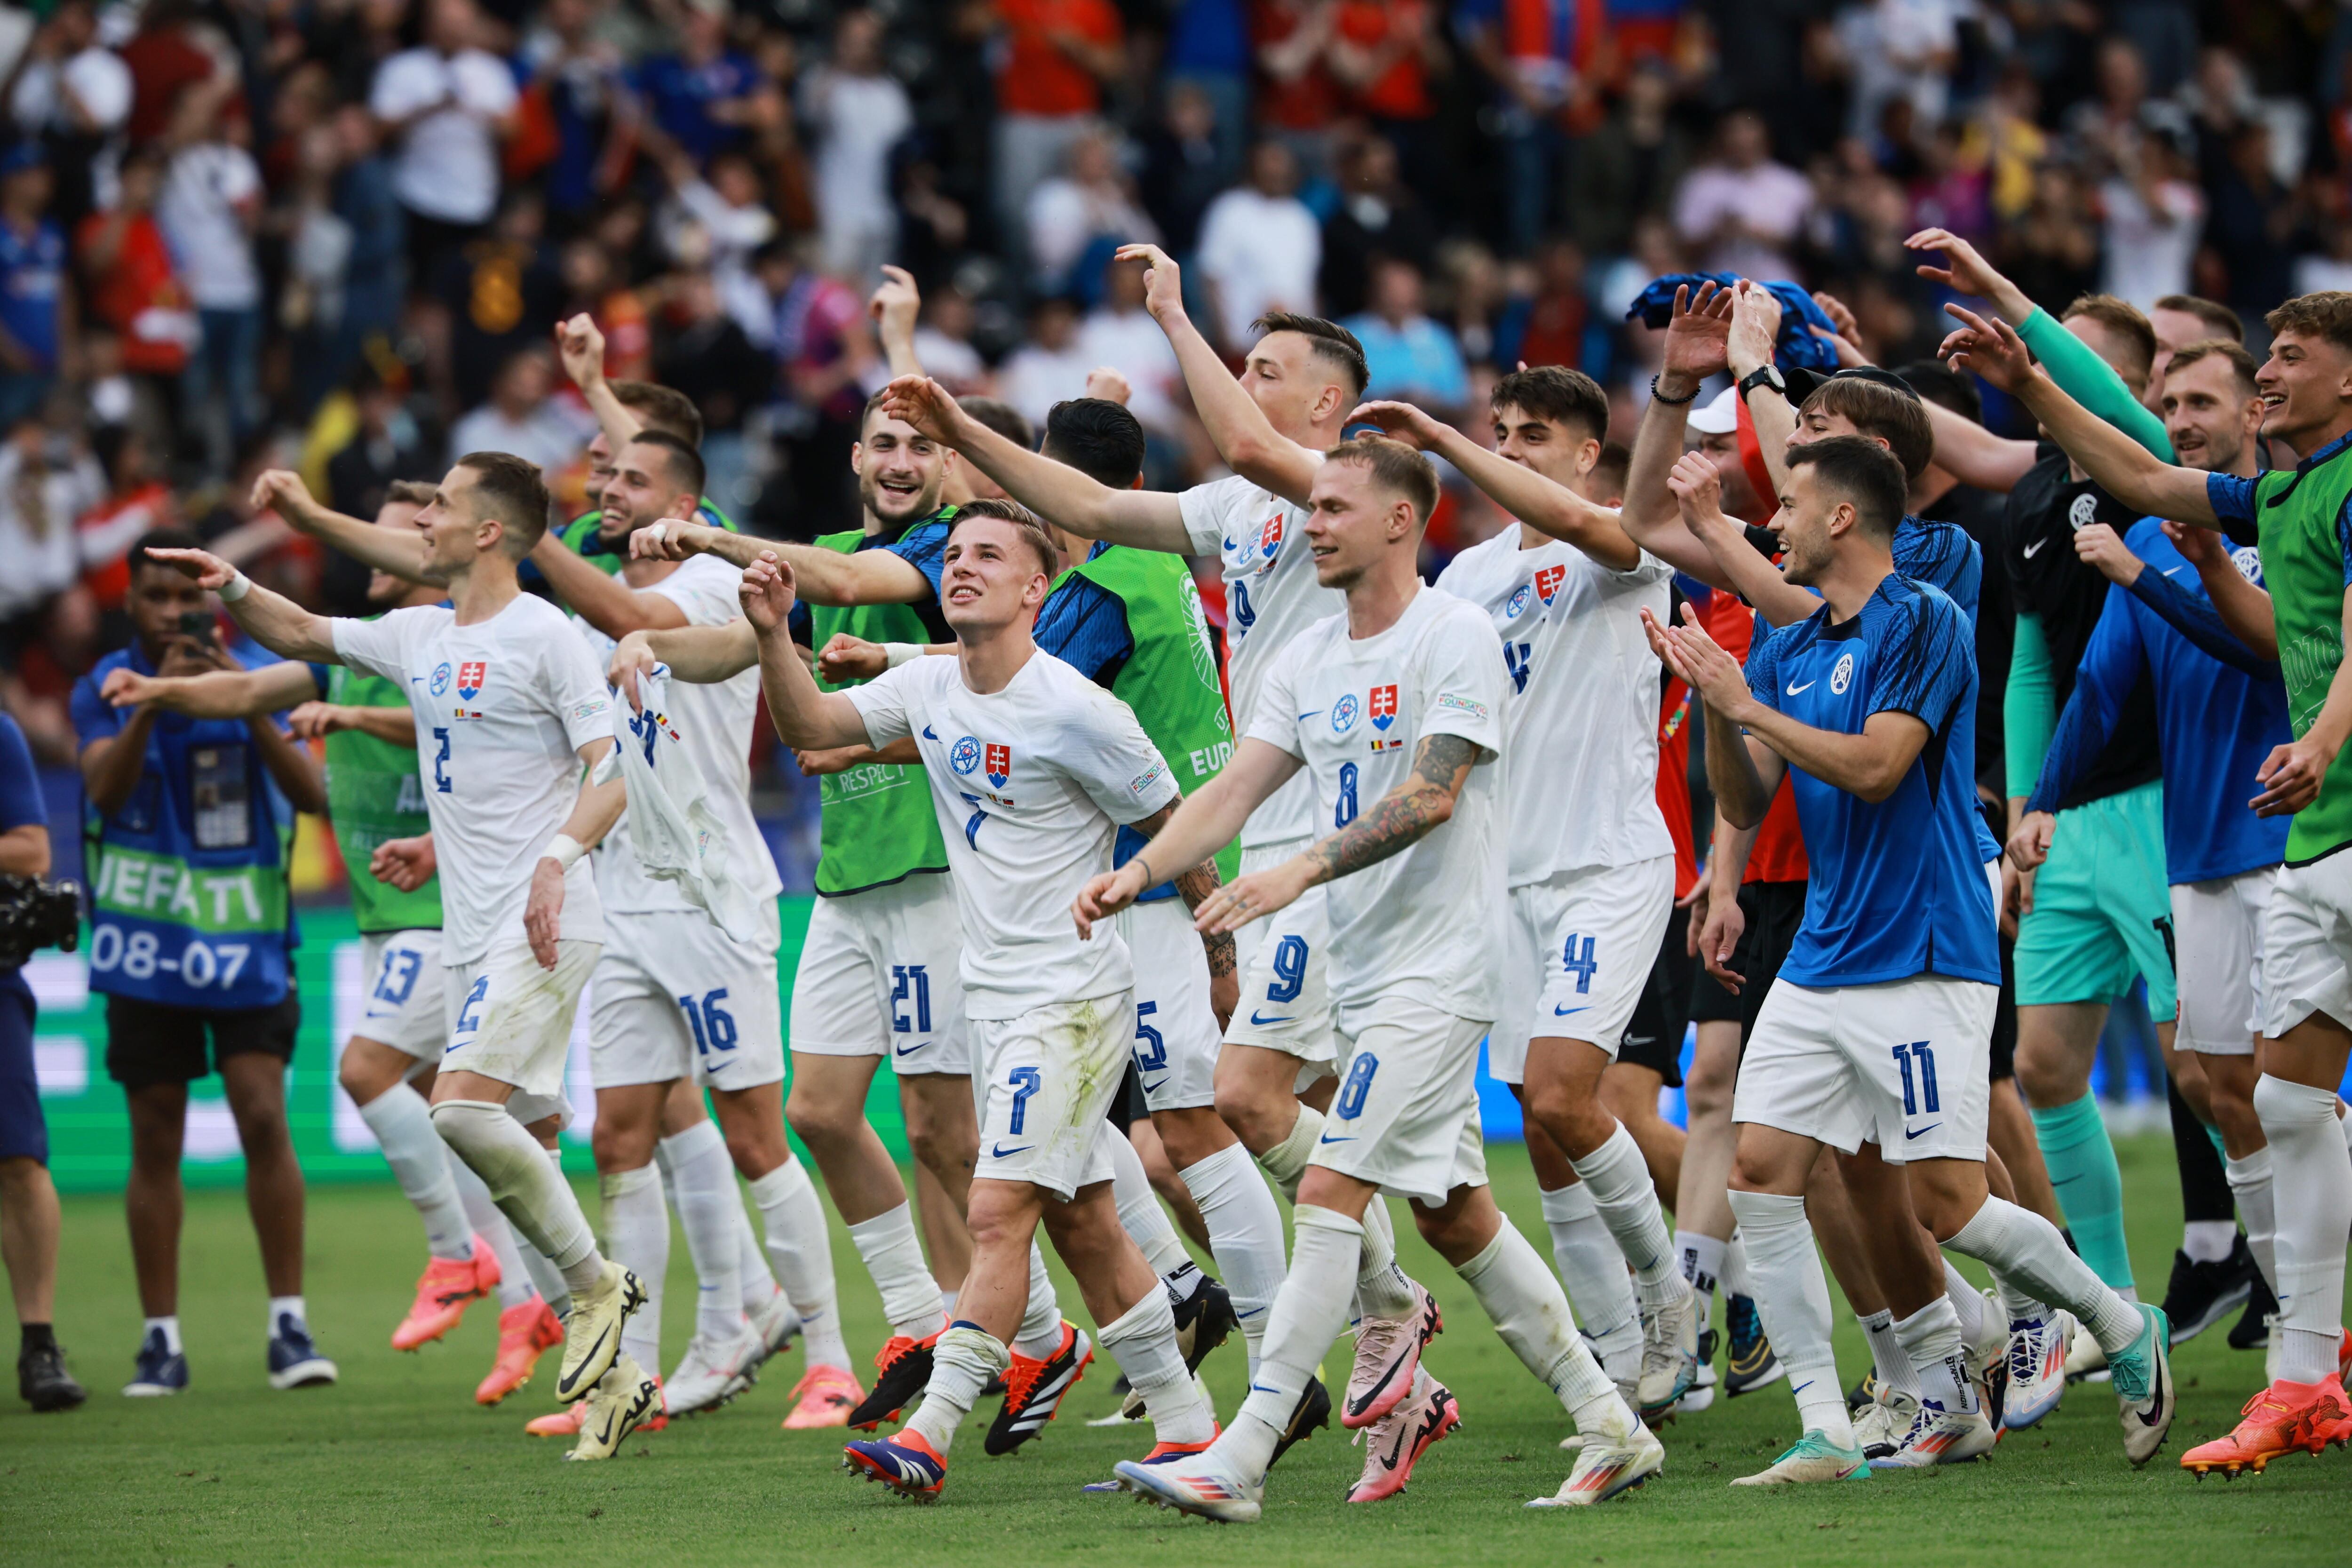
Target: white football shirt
[[1581, 781], [1427, 923], [502, 709], [714, 726], [1271, 596], [1032, 784]]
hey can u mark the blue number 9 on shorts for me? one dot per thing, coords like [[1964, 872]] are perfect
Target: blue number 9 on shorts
[[1289, 969]]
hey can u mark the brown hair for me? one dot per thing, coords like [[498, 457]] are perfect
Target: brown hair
[[663, 408], [512, 491], [1608, 476], [1025, 523], [682, 461], [1894, 415], [1860, 471], [2119, 316], [409, 493], [1330, 341], [2241, 363], [1000, 416], [1556, 393], [1395, 466], [2326, 314], [2213, 313]]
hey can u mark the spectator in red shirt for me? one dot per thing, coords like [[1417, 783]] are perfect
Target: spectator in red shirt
[[1384, 55], [132, 285], [1054, 58], [1298, 97]]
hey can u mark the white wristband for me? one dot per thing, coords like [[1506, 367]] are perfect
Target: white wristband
[[235, 588], [563, 849], [898, 653]]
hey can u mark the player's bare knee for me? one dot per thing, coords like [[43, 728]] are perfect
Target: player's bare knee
[[819, 1121], [622, 1146], [1259, 1122]]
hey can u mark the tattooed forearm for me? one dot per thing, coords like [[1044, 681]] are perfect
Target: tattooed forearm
[[1192, 887], [1404, 815]]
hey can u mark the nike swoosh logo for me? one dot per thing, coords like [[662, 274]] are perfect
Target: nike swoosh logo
[[1808, 685], [2033, 548], [1564, 1011], [598, 1348], [1261, 1388], [1310, 713], [1801, 1387], [2154, 1414], [1326, 1138], [1261, 1020], [1001, 1152], [1253, 1312], [1153, 1087], [2170, 569], [926, 733], [1908, 1135], [907, 1050]]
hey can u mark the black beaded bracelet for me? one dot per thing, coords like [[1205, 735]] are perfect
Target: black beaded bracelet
[[1657, 396]]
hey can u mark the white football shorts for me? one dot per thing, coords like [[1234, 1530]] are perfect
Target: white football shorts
[[2307, 944], [2217, 931], [675, 996], [1901, 1063], [1043, 1084], [1582, 946], [402, 971], [1176, 1040], [1406, 1113], [878, 977], [1285, 997], [510, 1020]]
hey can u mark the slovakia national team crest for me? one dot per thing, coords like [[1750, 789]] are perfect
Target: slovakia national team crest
[[1000, 764], [440, 678], [1548, 582], [1843, 676], [1344, 714], [1383, 706], [964, 755], [1518, 605], [472, 676], [1269, 534]]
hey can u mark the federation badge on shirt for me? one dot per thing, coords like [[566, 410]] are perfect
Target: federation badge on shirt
[[964, 755], [1548, 582], [999, 764], [1269, 535], [1383, 706], [440, 682], [472, 676]]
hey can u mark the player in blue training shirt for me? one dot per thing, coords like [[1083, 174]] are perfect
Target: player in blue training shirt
[[2220, 708], [1877, 1030]]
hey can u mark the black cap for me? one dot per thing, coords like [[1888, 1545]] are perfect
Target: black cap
[[1803, 384]]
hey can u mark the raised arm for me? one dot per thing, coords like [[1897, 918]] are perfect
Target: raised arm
[[806, 717], [580, 345], [1546, 507], [271, 619], [704, 656], [389, 549], [1696, 333], [2119, 465], [1699, 492], [896, 305], [1247, 441], [599, 598], [1201, 824], [1147, 520], [219, 693], [2243, 607], [822, 577], [1753, 343]]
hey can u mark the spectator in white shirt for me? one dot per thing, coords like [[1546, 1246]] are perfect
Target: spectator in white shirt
[[1741, 212], [2152, 221], [1049, 367], [943, 342], [1119, 333], [1260, 247], [524, 416], [42, 491], [447, 103], [208, 210], [859, 112], [1091, 199], [74, 95]]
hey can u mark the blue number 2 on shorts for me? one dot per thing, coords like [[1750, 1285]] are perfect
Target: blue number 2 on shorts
[[1289, 969], [1025, 1081], [1918, 1052], [470, 1017], [1351, 1103]]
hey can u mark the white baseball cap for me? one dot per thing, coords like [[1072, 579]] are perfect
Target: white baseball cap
[[1719, 417]]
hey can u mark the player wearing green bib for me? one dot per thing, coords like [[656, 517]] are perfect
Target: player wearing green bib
[[375, 803], [2305, 518]]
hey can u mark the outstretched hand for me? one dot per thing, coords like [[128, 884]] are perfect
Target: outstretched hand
[[1696, 333], [580, 345], [766, 593], [924, 404], [1989, 347], [1163, 284], [1700, 661], [209, 570], [1399, 421]]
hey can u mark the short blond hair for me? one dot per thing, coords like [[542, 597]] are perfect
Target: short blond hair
[[1395, 466]]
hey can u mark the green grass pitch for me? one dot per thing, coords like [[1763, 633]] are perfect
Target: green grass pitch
[[397, 1465]]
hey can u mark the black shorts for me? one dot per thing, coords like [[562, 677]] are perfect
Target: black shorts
[[24, 1131], [1774, 910], [148, 1043], [2003, 1058], [1654, 1039], [1129, 1107]]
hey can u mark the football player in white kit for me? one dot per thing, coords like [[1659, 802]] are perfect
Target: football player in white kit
[[1592, 866], [1032, 770], [511, 711], [675, 998], [1395, 712]]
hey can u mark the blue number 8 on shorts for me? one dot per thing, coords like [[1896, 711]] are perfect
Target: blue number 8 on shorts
[[1350, 1103]]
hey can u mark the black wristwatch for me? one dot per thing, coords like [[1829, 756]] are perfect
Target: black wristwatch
[[1763, 375]]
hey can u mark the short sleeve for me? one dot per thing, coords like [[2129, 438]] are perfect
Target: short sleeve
[[400, 89], [583, 704], [1931, 667], [1107, 754], [1276, 721], [20, 783], [886, 703], [1763, 667], [704, 588], [378, 647], [94, 718], [2231, 496], [1461, 677], [1206, 510], [925, 548], [1085, 625]]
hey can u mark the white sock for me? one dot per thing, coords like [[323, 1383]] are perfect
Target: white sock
[[1594, 1272], [1245, 1235], [1308, 1313], [963, 1363], [803, 1255], [2015, 1241], [1702, 1256], [1628, 1200], [1734, 1276], [1041, 1325], [284, 1306], [403, 1124], [2250, 1184], [2208, 1240], [1382, 1288], [1139, 1213], [482, 1216], [526, 1186], [751, 1270], [552, 1287], [1285, 1162], [2309, 1162], [892, 1254], [1528, 1311], [1793, 1296], [637, 1229], [1967, 1302], [1930, 1340], [1888, 1359], [169, 1325], [710, 1208], [1142, 1340]]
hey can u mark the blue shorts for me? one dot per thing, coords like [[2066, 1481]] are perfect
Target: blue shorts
[[24, 1132]]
